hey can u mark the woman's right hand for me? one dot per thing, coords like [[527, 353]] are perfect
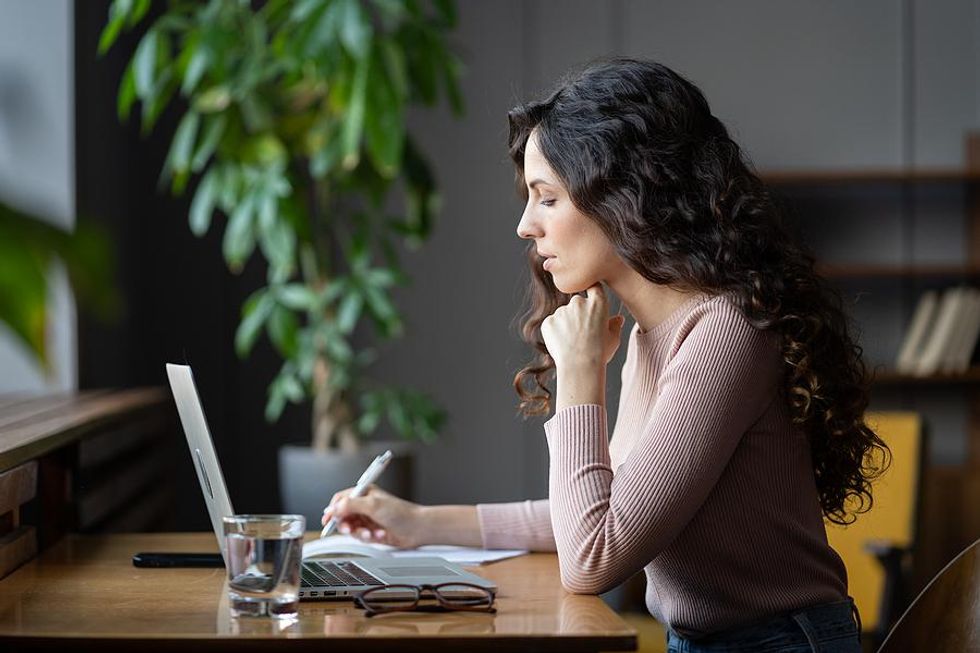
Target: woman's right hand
[[377, 516]]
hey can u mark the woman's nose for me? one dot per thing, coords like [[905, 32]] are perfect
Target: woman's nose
[[526, 227]]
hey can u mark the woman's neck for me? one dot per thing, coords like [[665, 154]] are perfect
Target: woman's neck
[[649, 303]]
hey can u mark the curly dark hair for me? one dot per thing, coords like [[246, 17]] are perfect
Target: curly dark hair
[[640, 153]]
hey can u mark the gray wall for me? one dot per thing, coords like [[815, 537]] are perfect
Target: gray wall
[[807, 85], [37, 170]]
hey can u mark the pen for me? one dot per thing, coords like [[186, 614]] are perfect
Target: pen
[[369, 476]]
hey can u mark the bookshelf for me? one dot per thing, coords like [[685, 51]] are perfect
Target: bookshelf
[[787, 178], [888, 377], [949, 493], [937, 271]]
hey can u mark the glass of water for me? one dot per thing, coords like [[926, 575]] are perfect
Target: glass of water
[[263, 555]]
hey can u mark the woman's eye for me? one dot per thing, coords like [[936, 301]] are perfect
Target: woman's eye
[[547, 202]]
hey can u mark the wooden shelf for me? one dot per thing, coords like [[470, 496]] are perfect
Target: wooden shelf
[[892, 378], [884, 271], [869, 175]]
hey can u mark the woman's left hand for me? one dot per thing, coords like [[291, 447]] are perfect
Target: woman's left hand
[[581, 333]]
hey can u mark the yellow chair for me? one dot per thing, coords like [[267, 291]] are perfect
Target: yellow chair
[[876, 547]]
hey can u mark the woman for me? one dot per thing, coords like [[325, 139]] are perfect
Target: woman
[[740, 424]]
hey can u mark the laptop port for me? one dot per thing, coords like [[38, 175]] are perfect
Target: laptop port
[[330, 593], [314, 594]]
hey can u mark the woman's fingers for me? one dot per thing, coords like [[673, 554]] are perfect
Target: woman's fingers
[[331, 508]]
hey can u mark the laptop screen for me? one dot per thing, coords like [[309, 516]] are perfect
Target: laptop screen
[[202, 448]]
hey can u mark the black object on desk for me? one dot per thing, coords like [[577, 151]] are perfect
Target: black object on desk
[[178, 560]]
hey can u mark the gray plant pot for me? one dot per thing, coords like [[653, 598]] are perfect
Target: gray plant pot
[[308, 479]]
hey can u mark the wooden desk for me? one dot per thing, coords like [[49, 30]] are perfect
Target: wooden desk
[[946, 615], [84, 594], [86, 462]]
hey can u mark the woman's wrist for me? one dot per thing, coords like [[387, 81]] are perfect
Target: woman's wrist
[[458, 525], [577, 385]]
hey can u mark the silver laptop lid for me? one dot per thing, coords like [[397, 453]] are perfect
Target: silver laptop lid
[[202, 448]]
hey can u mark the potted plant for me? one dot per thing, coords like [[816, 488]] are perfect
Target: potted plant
[[292, 124]]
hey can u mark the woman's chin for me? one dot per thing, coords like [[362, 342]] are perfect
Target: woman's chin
[[570, 288]]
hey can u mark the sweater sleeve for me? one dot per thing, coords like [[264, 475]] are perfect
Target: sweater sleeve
[[606, 528], [517, 525]]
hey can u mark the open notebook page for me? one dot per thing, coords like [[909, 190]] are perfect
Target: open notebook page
[[349, 546]]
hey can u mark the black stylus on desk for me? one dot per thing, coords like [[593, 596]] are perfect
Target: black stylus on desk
[[178, 560]]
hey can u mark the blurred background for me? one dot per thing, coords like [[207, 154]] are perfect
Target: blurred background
[[859, 115]]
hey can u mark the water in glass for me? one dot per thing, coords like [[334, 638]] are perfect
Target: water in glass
[[263, 557]]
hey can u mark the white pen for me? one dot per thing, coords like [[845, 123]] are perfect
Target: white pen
[[369, 476]]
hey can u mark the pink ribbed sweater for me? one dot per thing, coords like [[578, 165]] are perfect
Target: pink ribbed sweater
[[706, 484]]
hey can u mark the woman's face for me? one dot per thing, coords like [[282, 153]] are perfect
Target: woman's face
[[581, 255]]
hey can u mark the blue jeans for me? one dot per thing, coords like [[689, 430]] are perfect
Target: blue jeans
[[825, 628]]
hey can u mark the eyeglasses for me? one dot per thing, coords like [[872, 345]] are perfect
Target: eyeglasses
[[448, 596]]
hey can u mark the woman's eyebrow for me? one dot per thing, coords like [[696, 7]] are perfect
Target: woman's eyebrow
[[539, 181]]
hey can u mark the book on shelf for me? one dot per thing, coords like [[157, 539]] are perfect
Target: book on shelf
[[942, 334], [965, 337], [922, 321]]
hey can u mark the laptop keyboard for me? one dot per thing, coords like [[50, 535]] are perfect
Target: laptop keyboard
[[335, 574]]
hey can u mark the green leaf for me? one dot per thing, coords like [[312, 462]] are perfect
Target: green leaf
[[127, 93], [277, 239], [322, 37], [303, 9], [228, 184], [383, 277], [339, 349], [154, 106], [258, 117], [354, 120], [283, 329], [392, 12], [324, 160], [394, 59], [292, 388], [138, 12], [334, 290], [23, 292], [254, 314], [276, 403], [384, 313], [447, 11], [196, 67], [368, 423], [264, 150], [216, 98], [297, 297], [398, 417], [202, 206], [213, 131], [112, 29], [380, 304], [385, 126], [183, 143], [349, 312], [239, 239], [144, 63], [423, 68], [355, 28]]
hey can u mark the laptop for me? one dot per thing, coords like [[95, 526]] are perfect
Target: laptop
[[336, 578]]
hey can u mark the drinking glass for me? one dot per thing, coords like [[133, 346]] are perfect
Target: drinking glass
[[263, 555]]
